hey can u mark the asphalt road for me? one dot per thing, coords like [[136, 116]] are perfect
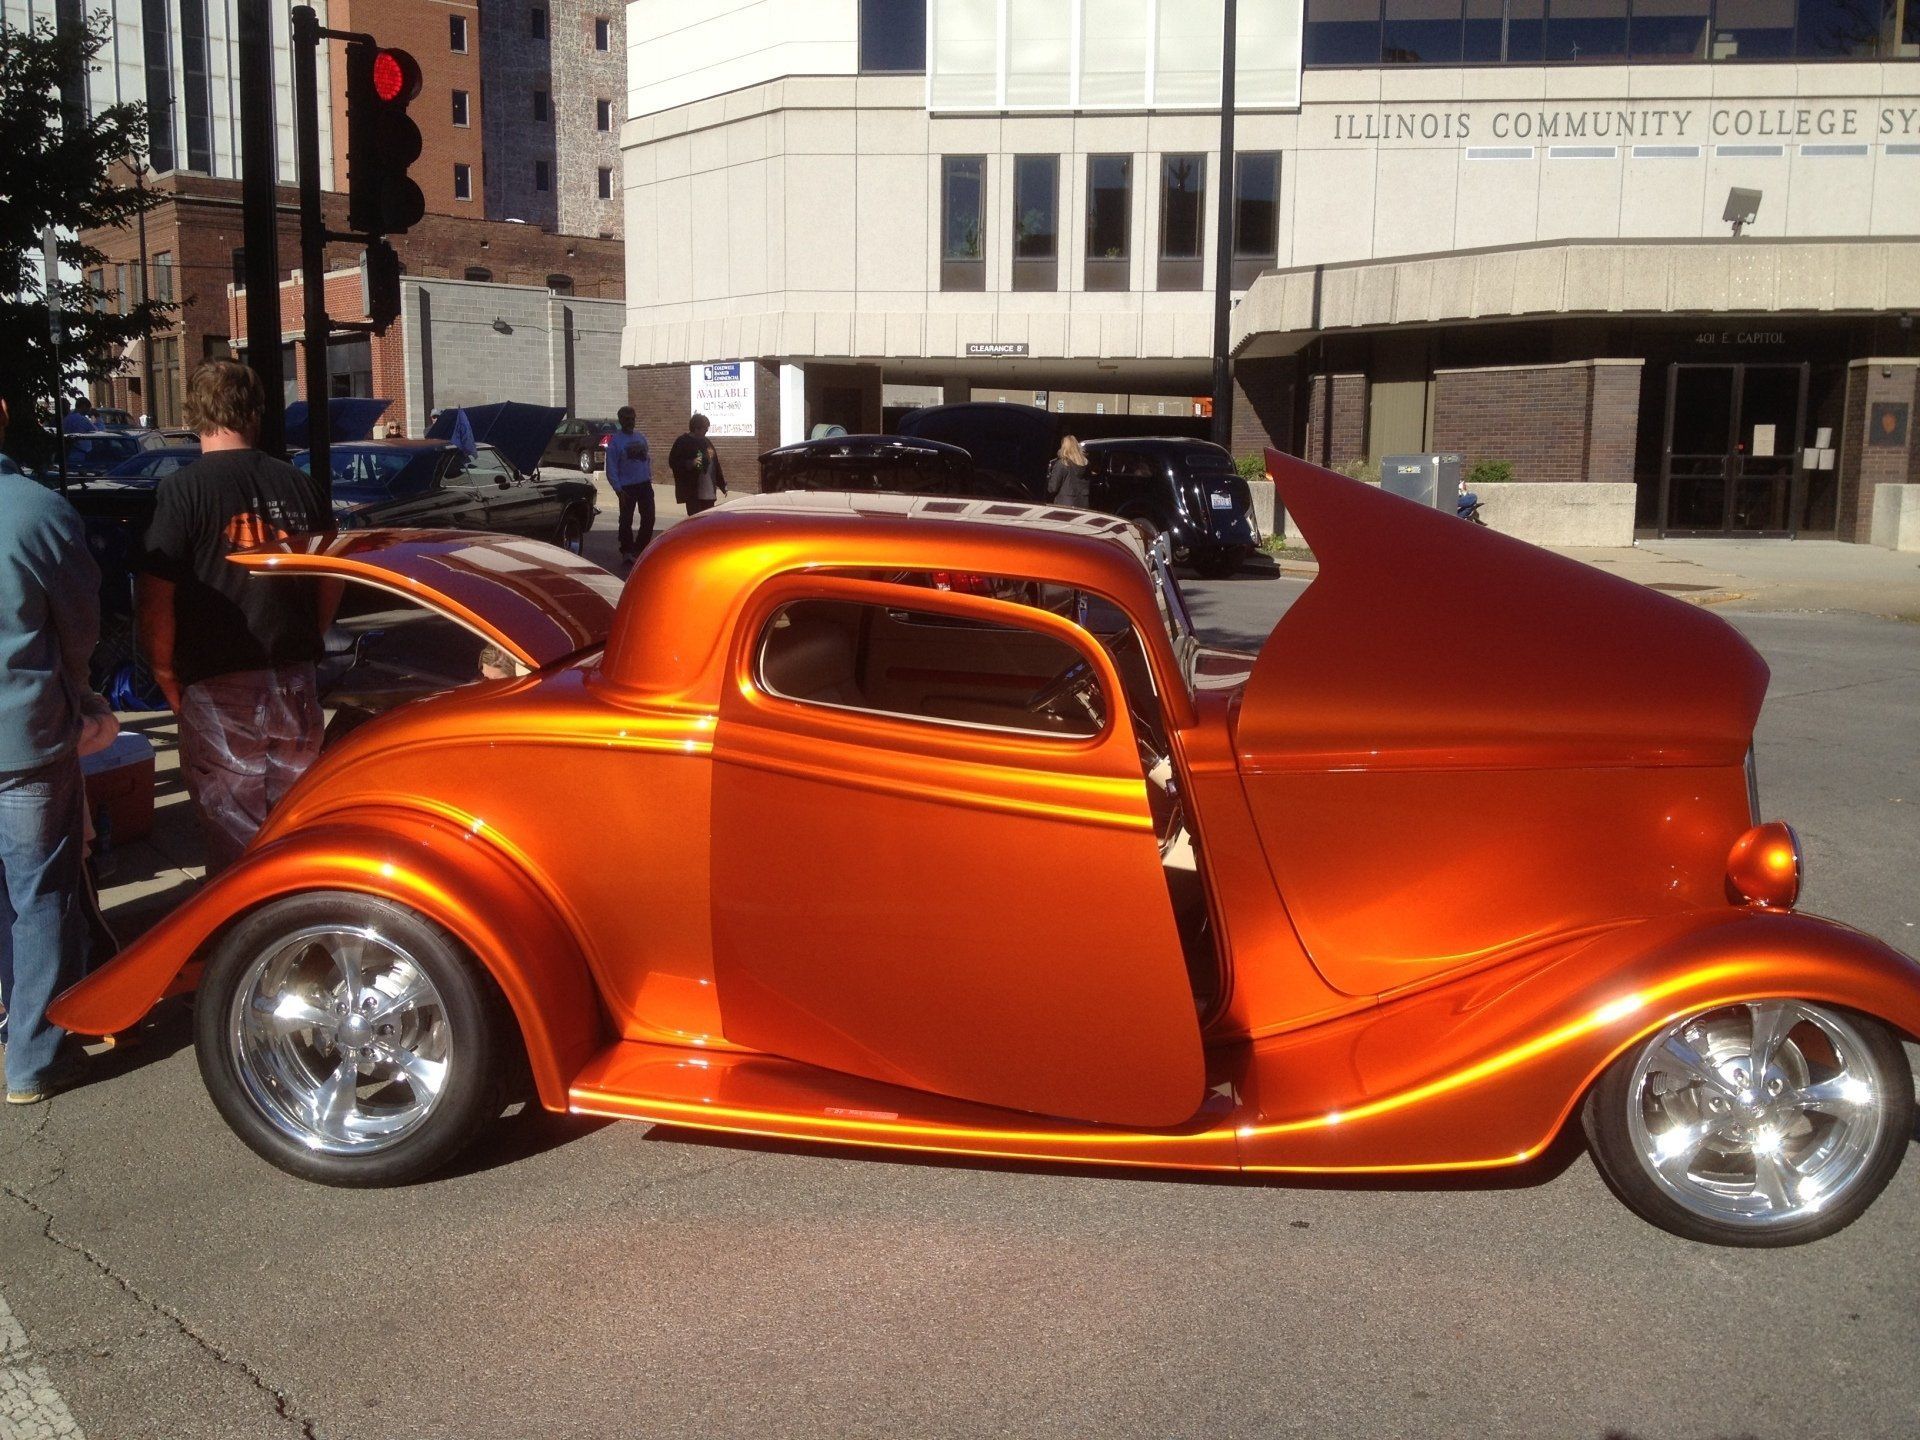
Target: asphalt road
[[592, 1280]]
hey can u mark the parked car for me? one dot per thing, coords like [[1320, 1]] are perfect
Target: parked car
[[152, 462], [1187, 490], [433, 483], [167, 439], [112, 419], [97, 452], [1048, 879], [579, 444], [892, 464]]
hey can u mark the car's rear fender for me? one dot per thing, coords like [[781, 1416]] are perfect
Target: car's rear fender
[[453, 875], [1486, 1069]]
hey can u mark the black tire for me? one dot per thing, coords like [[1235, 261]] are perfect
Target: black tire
[[1605, 1118], [572, 534], [585, 460], [480, 1044]]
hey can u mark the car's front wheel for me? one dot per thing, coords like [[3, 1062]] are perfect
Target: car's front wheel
[[586, 459], [348, 1040], [572, 534], [1770, 1122]]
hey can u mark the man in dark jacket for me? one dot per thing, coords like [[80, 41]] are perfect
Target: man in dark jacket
[[233, 654], [49, 622], [697, 477]]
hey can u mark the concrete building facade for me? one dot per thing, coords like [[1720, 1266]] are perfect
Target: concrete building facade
[[556, 93], [1521, 258]]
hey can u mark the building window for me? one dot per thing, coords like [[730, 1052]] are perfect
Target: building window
[[542, 105], [542, 176], [1109, 221], [1758, 29], [239, 267], [457, 33], [602, 33], [1587, 30], [463, 182], [603, 114], [156, 40], [537, 22], [1497, 31], [197, 85], [606, 183], [1036, 222], [1256, 215], [1183, 221], [122, 288], [478, 272], [1423, 32], [963, 198], [163, 276], [163, 406], [560, 284], [893, 37], [1345, 32], [460, 107]]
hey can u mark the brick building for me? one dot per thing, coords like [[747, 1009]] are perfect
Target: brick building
[[1503, 237]]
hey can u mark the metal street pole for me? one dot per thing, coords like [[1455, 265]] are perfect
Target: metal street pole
[[1223, 245], [260, 231], [146, 293], [56, 332], [313, 243]]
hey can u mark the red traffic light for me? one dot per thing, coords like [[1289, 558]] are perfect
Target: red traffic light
[[396, 76]]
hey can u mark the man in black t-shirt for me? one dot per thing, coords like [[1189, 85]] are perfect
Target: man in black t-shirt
[[234, 654]]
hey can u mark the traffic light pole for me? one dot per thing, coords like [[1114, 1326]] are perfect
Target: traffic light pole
[[260, 235], [313, 244]]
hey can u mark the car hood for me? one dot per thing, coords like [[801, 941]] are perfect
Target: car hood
[[348, 419], [518, 431], [1429, 641], [536, 601]]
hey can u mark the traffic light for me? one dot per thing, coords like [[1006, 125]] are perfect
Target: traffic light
[[380, 285], [382, 140]]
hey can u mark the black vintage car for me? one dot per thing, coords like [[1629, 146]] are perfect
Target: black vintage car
[[1187, 490], [893, 464], [433, 484]]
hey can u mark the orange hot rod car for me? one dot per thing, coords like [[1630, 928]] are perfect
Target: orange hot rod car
[[929, 824]]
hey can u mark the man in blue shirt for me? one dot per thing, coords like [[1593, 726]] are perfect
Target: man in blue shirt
[[630, 472], [49, 622]]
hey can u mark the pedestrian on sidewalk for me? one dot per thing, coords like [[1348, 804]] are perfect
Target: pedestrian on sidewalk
[[49, 623], [1067, 476], [698, 480], [630, 472], [234, 655]]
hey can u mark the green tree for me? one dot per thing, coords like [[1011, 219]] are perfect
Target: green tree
[[58, 168]]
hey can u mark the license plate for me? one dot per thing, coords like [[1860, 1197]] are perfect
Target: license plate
[[1222, 502]]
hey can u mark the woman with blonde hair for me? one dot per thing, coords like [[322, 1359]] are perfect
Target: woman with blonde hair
[[1067, 477]]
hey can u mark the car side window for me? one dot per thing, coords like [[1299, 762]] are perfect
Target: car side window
[[929, 667], [489, 467]]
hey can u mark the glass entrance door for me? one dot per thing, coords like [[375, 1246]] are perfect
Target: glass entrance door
[[1732, 457]]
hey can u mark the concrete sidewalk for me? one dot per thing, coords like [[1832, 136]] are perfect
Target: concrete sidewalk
[[1771, 574]]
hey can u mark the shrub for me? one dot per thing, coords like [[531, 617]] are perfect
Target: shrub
[[1365, 469], [1251, 467], [1489, 472]]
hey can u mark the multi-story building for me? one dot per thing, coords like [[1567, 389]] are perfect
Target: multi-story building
[[180, 58], [556, 92], [1490, 226]]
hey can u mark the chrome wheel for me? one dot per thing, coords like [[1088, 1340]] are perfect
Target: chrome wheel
[[341, 1039], [1760, 1115]]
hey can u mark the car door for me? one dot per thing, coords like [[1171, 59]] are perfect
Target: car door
[[515, 504], [955, 902]]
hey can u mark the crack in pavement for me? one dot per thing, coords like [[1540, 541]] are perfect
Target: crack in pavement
[[283, 1404]]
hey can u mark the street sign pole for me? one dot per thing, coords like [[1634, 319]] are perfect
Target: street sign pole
[[1223, 245], [313, 243], [260, 227]]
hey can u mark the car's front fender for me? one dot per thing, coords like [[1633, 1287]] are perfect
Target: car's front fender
[[454, 875], [1486, 1069]]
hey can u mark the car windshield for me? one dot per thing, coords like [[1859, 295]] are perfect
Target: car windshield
[[1209, 462], [377, 471]]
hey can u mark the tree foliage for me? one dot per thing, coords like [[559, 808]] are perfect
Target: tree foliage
[[63, 169]]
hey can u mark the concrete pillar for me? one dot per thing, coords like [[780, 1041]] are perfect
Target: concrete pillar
[[1878, 441], [956, 390], [793, 404]]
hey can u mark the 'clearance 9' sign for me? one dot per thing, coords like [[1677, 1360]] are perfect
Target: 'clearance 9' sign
[[724, 394]]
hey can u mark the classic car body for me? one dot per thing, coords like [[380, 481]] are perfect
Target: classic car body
[[434, 483], [887, 464], [1055, 881], [1186, 489]]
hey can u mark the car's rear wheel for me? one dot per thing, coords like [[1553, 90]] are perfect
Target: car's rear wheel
[[1770, 1122], [350, 1041]]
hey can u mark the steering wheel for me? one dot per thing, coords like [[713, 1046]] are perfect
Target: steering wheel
[[1076, 678]]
